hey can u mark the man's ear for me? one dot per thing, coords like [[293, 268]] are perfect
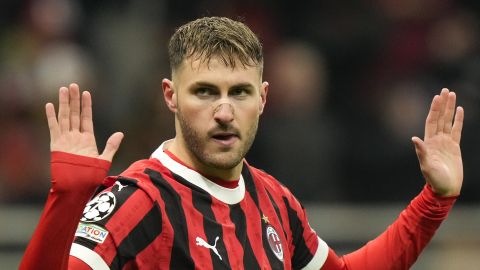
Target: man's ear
[[263, 96], [169, 95]]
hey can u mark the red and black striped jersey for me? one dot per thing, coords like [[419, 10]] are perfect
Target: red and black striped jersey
[[160, 214]]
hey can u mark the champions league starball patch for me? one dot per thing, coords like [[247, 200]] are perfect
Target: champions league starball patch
[[99, 208]]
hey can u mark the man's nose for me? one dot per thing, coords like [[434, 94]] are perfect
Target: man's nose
[[224, 113]]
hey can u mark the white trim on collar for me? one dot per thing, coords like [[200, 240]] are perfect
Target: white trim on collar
[[226, 195]]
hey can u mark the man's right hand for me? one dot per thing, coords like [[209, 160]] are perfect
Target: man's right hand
[[72, 131], [74, 179]]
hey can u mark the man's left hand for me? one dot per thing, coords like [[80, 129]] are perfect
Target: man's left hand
[[439, 152]]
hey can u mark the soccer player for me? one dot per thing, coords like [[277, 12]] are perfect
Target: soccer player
[[196, 203]]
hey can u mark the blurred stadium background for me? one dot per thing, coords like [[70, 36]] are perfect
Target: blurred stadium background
[[350, 83]]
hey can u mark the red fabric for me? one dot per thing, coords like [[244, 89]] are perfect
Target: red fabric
[[129, 215], [50, 244], [228, 224], [400, 245], [334, 262], [302, 238], [76, 264], [221, 214], [397, 248]]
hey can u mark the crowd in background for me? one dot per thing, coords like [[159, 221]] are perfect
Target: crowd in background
[[350, 84]]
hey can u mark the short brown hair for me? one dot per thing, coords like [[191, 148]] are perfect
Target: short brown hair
[[209, 37]]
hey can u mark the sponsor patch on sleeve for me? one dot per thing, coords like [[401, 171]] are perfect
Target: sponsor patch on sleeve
[[91, 232]]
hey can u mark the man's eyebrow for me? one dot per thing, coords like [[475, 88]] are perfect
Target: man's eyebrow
[[204, 84], [242, 86], [213, 86]]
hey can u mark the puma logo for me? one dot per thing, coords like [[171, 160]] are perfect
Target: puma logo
[[203, 243], [120, 186]]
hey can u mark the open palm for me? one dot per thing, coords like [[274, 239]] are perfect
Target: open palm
[[72, 130], [439, 152]]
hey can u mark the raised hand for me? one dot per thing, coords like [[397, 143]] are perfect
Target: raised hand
[[72, 131], [439, 153]]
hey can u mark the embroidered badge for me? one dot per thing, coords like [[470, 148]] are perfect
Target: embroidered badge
[[99, 208], [91, 232], [274, 242]]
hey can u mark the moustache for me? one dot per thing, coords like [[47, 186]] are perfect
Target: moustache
[[224, 130]]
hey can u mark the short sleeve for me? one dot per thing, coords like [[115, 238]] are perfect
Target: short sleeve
[[105, 236], [307, 249]]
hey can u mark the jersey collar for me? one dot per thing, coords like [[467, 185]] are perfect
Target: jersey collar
[[226, 195]]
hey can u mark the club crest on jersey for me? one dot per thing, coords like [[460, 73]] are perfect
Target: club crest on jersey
[[99, 208], [274, 242]]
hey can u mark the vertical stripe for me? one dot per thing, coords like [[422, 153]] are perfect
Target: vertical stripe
[[180, 256], [129, 215], [275, 263], [301, 254], [158, 252], [122, 199], [281, 231], [279, 198], [120, 195], [270, 220], [203, 203], [237, 216], [259, 197], [139, 238], [277, 210], [199, 242], [255, 231], [250, 184]]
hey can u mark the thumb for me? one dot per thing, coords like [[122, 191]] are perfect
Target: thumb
[[113, 143], [419, 147]]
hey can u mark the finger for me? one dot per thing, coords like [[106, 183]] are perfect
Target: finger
[[432, 117], [113, 143], [74, 106], [52, 121], [441, 117], [449, 112], [458, 125], [63, 110], [419, 148], [86, 114]]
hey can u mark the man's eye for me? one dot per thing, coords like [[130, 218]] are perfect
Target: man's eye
[[239, 92], [203, 92]]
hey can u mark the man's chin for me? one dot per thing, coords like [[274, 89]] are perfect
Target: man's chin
[[224, 161]]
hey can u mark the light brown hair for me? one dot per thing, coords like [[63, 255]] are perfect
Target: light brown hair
[[221, 37]]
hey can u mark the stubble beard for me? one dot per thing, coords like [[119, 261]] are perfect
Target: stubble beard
[[197, 145]]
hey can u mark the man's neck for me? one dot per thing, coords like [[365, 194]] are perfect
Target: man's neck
[[177, 148]]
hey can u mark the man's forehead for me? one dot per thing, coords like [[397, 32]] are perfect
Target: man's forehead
[[200, 65], [197, 62]]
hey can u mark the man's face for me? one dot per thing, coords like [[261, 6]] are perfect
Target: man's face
[[217, 110]]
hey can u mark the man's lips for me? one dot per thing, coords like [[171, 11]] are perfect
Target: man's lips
[[225, 138]]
